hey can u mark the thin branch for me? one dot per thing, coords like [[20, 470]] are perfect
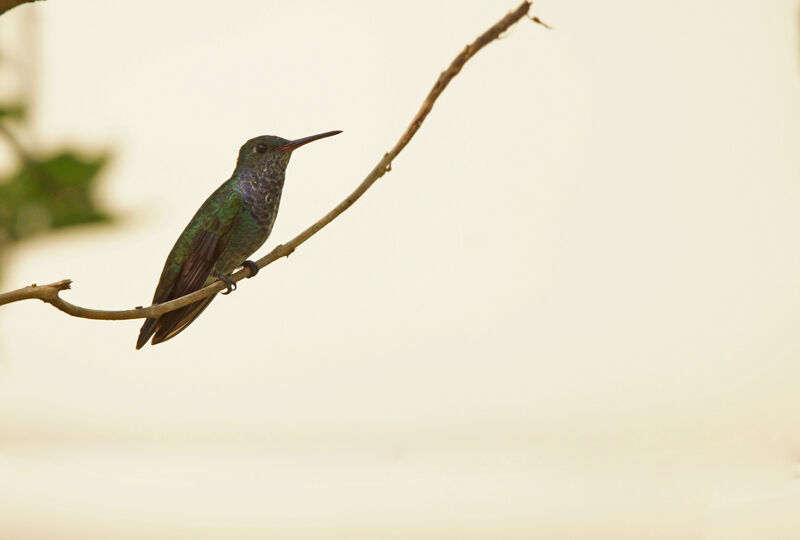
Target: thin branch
[[5, 5], [49, 293]]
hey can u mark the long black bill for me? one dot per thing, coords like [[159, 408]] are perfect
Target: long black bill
[[297, 143]]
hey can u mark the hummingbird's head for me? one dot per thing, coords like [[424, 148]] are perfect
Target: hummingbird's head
[[269, 154]]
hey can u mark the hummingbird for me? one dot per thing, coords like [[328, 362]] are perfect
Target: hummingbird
[[231, 224]]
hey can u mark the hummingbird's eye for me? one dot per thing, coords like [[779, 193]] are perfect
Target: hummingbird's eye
[[261, 148]]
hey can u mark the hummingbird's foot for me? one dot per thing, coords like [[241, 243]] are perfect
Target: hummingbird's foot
[[250, 265], [229, 283]]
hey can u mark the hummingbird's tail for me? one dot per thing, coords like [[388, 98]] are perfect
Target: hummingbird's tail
[[172, 323], [148, 329]]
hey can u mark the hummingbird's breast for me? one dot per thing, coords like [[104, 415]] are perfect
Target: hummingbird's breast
[[260, 202], [261, 197]]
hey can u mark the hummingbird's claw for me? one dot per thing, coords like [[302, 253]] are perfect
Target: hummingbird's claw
[[229, 283], [250, 265]]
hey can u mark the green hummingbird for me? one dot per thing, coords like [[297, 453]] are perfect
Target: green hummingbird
[[230, 225]]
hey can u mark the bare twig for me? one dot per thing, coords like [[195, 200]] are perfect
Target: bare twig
[[537, 20], [49, 293]]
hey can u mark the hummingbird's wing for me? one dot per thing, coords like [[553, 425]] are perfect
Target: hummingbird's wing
[[190, 264]]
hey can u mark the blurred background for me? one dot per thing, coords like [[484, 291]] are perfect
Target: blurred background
[[570, 310]]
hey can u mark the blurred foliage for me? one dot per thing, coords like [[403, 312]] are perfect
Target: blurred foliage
[[12, 111], [46, 192], [49, 193]]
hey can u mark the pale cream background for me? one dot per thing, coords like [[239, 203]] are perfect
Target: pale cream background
[[570, 311]]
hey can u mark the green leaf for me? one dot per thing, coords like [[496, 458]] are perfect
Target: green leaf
[[50, 193], [12, 110]]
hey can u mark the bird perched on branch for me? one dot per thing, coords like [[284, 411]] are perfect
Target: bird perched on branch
[[230, 225]]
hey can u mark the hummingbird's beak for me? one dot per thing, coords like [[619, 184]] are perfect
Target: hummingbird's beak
[[297, 143]]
